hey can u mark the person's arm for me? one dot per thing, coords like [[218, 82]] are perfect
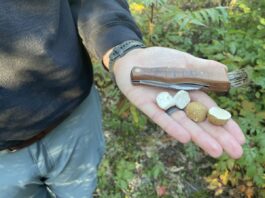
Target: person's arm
[[103, 24], [214, 140]]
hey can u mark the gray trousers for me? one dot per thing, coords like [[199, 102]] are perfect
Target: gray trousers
[[63, 164]]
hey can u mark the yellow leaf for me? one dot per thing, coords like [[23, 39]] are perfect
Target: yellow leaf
[[137, 8], [233, 3], [219, 191], [224, 177], [214, 184]]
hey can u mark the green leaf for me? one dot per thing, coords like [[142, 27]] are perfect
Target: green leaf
[[212, 15], [251, 170], [205, 16], [123, 184], [262, 21], [184, 23], [232, 47], [230, 164], [258, 77], [197, 22], [135, 114]]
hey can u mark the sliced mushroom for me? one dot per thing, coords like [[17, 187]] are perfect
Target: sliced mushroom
[[182, 99], [218, 116], [164, 100]]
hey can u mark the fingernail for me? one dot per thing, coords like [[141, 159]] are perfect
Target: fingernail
[[238, 153], [216, 150]]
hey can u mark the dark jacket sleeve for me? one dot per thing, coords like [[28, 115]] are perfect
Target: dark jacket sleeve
[[102, 24]]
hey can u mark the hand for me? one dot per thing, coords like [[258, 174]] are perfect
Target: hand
[[212, 139]]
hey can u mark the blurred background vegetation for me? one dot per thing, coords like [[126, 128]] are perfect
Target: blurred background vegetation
[[141, 161]]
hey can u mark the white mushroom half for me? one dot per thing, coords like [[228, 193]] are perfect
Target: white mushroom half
[[218, 116], [182, 99], [164, 100]]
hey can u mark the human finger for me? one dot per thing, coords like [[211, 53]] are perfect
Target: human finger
[[160, 117], [168, 124], [231, 126], [198, 135], [225, 139], [194, 61], [235, 130]]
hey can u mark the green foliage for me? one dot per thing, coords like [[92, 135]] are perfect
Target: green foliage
[[203, 17], [124, 174]]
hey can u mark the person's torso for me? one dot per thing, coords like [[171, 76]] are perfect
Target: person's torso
[[43, 69]]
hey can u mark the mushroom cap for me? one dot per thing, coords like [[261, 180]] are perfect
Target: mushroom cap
[[196, 111]]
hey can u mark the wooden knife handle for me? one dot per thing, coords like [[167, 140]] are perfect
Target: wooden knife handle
[[214, 77]]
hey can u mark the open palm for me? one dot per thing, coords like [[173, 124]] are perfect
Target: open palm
[[212, 139]]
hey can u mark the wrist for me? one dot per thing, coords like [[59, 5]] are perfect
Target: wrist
[[105, 59], [126, 60], [112, 55]]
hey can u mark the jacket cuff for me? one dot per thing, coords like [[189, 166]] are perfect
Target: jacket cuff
[[109, 37]]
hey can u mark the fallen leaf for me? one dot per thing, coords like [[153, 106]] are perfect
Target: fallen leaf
[[160, 191]]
